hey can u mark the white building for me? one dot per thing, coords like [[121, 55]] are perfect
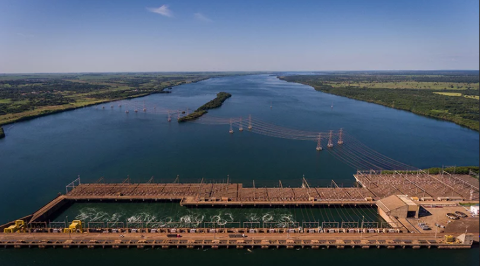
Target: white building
[[474, 209]]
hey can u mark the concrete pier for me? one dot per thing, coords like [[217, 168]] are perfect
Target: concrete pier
[[265, 241]]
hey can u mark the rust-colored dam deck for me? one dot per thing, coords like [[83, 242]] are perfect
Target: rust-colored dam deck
[[218, 194], [371, 187], [224, 240]]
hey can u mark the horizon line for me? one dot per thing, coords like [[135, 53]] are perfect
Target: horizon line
[[230, 71]]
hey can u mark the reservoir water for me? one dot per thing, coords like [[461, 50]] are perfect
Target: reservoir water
[[39, 157]]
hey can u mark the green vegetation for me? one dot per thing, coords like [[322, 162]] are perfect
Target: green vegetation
[[215, 103], [192, 116], [2, 134], [425, 100], [27, 96], [461, 170], [467, 204]]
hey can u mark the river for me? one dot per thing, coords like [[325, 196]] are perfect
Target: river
[[39, 157]]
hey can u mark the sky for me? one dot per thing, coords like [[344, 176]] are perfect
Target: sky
[[148, 36]]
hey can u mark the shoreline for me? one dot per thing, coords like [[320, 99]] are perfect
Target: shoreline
[[215, 103], [385, 105], [63, 108]]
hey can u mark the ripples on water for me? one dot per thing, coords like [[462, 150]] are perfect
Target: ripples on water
[[172, 214]]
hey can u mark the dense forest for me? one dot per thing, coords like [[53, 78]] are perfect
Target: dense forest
[[447, 97]]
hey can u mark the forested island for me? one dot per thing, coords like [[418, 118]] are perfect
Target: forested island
[[447, 95], [215, 103], [26, 96]]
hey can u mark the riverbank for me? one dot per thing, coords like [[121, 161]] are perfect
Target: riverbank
[[417, 96], [215, 103], [28, 98]]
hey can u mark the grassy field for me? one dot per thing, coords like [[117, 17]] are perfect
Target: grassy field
[[458, 94], [476, 97], [418, 94]]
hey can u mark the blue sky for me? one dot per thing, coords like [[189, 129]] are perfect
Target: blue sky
[[114, 36]]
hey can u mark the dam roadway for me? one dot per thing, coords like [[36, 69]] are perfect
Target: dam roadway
[[226, 240]]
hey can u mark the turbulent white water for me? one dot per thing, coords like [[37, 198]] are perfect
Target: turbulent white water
[[173, 215], [191, 218]]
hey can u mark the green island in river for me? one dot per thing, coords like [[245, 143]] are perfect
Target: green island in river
[[215, 103], [446, 95], [27, 96]]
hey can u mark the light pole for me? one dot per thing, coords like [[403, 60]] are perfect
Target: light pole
[[361, 232], [69, 232]]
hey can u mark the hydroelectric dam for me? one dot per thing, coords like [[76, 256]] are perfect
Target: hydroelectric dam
[[401, 199]]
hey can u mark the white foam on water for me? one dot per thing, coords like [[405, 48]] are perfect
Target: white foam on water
[[252, 217], [116, 217], [186, 219], [229, 217], [133, 219], [91, 214], [286, 220], [268, 217], [215, 218], [99, 217]]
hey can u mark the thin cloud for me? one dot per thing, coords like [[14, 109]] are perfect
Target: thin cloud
[[201, 17], [163, 10]]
